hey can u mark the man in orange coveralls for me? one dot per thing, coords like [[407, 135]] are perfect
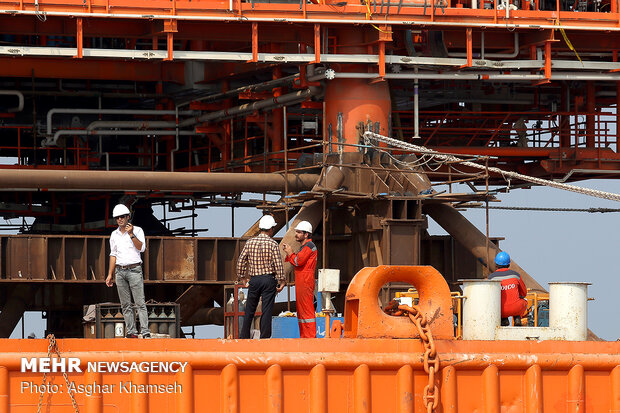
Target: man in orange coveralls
[[513, 290], [305, 264]]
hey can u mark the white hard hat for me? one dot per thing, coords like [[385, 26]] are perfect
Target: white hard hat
[[119, 210], [267, 222], [304, 226]]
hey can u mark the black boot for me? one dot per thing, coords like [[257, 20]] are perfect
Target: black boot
[[517, 321], [505, 322]]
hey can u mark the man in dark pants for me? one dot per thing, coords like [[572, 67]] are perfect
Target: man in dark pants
[[260, 269]]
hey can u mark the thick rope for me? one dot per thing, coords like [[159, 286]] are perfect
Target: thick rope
[[506, 174], [516, 208]]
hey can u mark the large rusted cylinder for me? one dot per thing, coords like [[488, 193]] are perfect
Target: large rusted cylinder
[[471, 238], [152, 181], [350, 103]]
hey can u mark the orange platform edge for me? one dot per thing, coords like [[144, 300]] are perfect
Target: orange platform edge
[[316, 375]]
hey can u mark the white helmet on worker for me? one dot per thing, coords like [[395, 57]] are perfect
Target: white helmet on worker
[[267, 222], [304, 226], [120, 210]]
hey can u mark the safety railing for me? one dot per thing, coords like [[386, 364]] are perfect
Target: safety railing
[[542, 130], [537, 305]]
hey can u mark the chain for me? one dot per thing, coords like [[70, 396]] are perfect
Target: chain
[[53, 348], [430, 396]]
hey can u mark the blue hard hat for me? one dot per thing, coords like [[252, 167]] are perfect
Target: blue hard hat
[[502, 258]]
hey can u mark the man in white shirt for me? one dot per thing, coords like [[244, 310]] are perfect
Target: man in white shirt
[[126, 244]]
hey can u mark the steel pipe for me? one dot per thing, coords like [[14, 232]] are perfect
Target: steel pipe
[[20, 100], [128, 112], [288, 99], [151, 181], [53, 140]]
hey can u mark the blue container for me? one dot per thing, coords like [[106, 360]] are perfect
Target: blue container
[[287, 327]]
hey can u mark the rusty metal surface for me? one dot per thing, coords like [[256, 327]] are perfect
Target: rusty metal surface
[[149, 181]]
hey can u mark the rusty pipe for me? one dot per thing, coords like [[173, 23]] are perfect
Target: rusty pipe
[[288, 99], [471, 238], [151, 181]]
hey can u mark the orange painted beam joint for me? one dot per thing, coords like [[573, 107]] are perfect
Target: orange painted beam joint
[[79, 38], [254, 43]]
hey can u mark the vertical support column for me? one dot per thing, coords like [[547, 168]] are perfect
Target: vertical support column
[[277, 116], [533, 390], [564, 119], [576, 402], [590, 117], [4, 389], [548, 60], [361, 389], [94, 401], [381, 59], [405, 395], [79, 38], [470, 47], [490, 391], [170, 27], [254, 42], [318, 389], [617, 116], [227, 126], [229, 384], [185, 398], [274, 389], [317, 43], [449, 396]]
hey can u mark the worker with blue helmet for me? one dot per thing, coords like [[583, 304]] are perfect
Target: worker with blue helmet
[[502, 259], [513, 290]]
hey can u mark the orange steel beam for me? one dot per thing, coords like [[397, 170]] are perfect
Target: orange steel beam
[[79, 38], [353, 13], [317, 43], [254, 43]]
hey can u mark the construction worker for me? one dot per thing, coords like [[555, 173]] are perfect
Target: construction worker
[[305, 264], [513, 290], [126, 244], [260, 268]]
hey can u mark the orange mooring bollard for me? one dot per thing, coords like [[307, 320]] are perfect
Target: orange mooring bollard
[[365, 319]]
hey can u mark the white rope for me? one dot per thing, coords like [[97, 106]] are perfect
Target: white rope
[[505, 174]]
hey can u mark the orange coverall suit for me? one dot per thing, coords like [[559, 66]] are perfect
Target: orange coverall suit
[[513, 291], [305, 265]]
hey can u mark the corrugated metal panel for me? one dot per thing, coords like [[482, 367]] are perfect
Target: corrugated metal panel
[[325, 375]]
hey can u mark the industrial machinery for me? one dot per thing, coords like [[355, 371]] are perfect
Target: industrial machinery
[[182, 105]]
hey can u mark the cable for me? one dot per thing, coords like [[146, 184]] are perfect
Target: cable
[[512, 208], [514, 175]]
